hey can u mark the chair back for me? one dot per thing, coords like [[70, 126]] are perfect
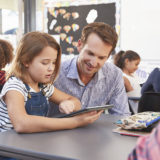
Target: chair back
[[1, 86], [149, 101]]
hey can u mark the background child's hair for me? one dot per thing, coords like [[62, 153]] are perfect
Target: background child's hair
[[30, 46], [121, 56], [6, 53]]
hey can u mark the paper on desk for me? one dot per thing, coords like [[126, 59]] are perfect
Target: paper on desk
[[129, 133]]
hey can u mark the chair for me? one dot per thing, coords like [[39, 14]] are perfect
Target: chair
[[133, 104], [149, 101], [1, 86]]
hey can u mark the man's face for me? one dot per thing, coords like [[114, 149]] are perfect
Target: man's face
[[92, 55]]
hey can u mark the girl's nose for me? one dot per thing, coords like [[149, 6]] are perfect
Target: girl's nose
[[51, 67]]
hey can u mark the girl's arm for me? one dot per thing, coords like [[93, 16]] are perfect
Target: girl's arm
[[67, 103], [24, 123], [127, 85]]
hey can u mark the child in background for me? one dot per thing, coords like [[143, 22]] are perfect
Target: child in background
[[128, 62], [6, 56], [29, 86]]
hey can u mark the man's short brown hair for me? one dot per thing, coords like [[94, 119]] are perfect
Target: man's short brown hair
[[103, 30]]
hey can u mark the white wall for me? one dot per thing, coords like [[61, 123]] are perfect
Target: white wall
[[140, 27]]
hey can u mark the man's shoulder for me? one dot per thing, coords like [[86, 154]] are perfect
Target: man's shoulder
[[65, 68], [110, 69], [14, 80], [66, 63], [66, 60]]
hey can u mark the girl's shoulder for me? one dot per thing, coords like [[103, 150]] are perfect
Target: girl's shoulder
[[14, 80], [14, 83], [128, 76]]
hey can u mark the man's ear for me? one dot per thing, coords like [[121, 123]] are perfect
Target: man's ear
[[79, 46], [25, 64]]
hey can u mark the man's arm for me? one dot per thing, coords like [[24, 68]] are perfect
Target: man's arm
[[119, 97]]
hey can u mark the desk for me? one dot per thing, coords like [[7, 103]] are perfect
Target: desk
[[93, 142]]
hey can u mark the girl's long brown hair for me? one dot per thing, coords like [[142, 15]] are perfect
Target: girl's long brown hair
[[29, 47]]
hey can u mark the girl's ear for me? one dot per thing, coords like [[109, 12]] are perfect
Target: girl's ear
[[126, 61], [79, 46]]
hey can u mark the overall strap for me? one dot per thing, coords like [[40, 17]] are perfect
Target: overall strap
[[28, 90]]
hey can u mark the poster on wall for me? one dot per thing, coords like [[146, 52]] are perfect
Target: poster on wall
[[67, 22]]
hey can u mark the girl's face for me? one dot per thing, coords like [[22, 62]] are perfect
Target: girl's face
[[41, 68], [131, 66]]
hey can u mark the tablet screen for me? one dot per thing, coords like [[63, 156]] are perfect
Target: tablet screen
[[88, 109]]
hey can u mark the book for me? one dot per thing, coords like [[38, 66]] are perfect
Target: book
[[130, 132]]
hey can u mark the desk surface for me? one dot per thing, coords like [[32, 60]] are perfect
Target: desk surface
[[93, 142]]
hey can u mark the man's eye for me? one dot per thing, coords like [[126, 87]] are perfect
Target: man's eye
[[44, 63], [101, 58], [91, 54]]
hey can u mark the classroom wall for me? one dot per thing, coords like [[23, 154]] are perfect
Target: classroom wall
[[140, 27], [68, 21], [140, 31]]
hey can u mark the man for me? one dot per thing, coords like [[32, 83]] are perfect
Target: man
[[88, 77]]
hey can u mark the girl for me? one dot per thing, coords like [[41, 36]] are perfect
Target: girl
[[6, 56], [24, 98], [128, 62]]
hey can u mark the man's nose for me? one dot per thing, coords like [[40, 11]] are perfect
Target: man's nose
[[94, 61]]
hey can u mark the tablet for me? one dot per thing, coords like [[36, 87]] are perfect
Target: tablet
[[85, 110]]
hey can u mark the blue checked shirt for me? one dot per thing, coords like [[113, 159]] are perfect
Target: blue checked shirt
[[107, 87]]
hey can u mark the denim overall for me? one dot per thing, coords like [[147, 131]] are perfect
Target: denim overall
[[36, 104]]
